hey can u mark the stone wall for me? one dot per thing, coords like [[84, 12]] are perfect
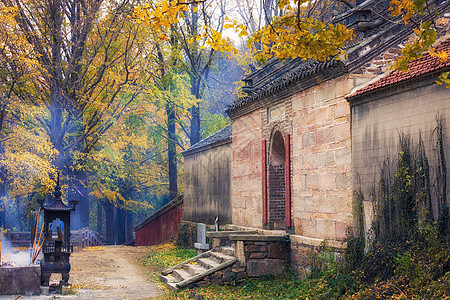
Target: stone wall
[[305, 253], [321, 160], [246, 182], [207, 177], [318, 121], [378, 121], [264, 257]]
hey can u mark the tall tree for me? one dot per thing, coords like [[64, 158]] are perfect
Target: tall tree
[[85, 54], [197, 27]]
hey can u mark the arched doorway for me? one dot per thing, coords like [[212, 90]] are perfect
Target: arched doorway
[[277, 183]]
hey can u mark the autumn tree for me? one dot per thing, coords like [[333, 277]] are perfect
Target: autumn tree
[[25, 150], [127, 162], [197, 26], [86, 61]]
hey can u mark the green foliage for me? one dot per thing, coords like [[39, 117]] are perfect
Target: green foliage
[[354, 253], [211, 123]]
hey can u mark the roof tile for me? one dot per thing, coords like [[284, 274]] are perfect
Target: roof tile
[[418, 67]]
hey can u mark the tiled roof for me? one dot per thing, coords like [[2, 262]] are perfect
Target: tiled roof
[[418, 67], [220, 136], [290, 72]]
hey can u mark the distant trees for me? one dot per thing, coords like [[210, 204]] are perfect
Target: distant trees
[[84, 93]]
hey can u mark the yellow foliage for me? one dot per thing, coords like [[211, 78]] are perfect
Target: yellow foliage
[[93, 248], [28, 154]]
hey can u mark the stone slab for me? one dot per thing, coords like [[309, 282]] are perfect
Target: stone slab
[[224, 234], [258, 267], [256, 237], [201, 246], [20, 280], [201, 233]]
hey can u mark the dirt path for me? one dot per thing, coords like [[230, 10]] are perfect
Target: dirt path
[[107, 272]]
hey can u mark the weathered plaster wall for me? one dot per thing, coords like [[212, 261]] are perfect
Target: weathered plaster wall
[[246, 182], [207, 176], [378, 123]]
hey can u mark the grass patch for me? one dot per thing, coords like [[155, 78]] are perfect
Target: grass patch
[[167, 255], [418, 272], [285, 286]]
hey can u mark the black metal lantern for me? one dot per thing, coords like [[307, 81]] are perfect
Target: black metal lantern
[[57, 247]]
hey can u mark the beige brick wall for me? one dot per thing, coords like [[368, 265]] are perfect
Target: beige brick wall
[[318, 121], [321, 161], [246, 182]]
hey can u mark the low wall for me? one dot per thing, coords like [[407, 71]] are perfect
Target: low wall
[[162, 226], [257, 254], [263, 255], [305, 252], [207, 177], [20, 280]]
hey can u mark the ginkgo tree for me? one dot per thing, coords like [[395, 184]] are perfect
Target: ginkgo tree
[[84, 58], [297, 31], [25, 149], [193, 27], [425, 32]]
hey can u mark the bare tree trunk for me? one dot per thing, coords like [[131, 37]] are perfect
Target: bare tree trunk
[[172, 151], [110, 222], [99, 217], [195, 110], [3, 172], [121, 225]]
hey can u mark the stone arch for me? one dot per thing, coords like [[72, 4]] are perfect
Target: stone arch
[[276, 181]]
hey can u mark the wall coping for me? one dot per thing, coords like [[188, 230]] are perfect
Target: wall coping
[[293, 237], [226, 234], [317, 242], [257, 237]]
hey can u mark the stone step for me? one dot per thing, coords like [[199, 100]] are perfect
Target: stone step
[[172, 286], [227, 251], [197, 268], [220, 257], [207, 263], [167, 279], [180, 274], [193, 269]]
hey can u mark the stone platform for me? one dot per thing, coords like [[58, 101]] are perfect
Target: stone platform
[[20, 280]]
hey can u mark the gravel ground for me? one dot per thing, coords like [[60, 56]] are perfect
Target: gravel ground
[[106, 272]]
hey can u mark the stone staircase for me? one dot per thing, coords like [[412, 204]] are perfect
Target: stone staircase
[[198, 268]]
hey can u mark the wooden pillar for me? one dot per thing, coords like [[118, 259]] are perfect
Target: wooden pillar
[[264, 180], [287, 166]]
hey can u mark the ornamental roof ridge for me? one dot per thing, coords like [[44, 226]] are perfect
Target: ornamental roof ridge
[[308, 68]]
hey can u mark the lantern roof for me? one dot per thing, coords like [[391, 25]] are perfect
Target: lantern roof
[[56, 203]]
